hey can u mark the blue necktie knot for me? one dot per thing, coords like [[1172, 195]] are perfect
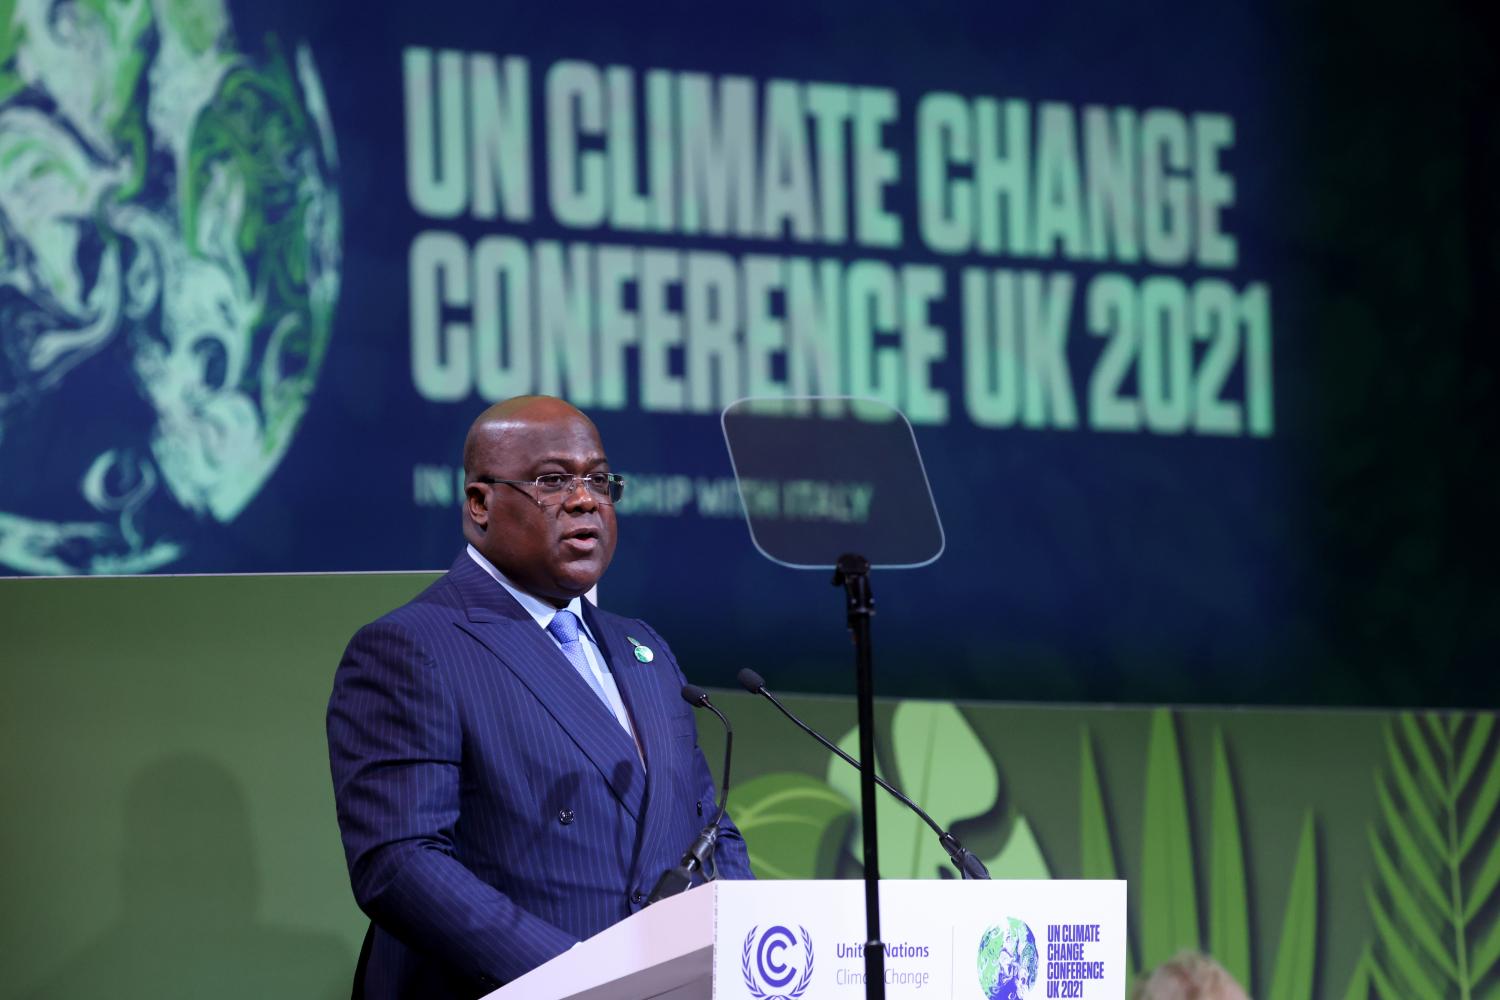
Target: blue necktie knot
[[564, 627]]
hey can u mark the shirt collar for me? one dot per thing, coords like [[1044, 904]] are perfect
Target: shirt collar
[[537, 608]]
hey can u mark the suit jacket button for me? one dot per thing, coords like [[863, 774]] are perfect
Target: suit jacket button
[[565, 816], [637, 898]]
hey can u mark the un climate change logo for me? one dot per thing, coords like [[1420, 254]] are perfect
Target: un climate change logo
[[169, 265], [1008, 961], [763, 961]]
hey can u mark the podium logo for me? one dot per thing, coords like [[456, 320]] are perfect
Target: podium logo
[[1008, 961], [766, 964]]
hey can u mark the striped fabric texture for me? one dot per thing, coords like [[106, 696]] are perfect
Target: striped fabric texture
[[493, 811]]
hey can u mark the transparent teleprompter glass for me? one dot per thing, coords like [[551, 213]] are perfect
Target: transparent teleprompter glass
[[824, 476]]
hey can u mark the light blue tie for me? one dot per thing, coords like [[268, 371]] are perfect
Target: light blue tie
[[564, 628]]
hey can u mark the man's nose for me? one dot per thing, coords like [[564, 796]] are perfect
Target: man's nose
[[579, 496]]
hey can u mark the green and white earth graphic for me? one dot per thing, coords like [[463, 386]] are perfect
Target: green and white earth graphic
[[1008, 961], [169, 266]]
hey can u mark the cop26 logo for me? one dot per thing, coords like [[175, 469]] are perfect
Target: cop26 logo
[[764, 961]]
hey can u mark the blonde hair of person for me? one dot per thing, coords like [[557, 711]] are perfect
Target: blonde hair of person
[[1190, 975]]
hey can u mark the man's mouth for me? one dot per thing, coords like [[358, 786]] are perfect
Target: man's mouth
[[581, 539]]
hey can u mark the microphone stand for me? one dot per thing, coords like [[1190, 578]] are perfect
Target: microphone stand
[[852, 572], [963, 859], [700, 853]]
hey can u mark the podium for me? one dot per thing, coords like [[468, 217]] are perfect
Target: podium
[[803, 940]]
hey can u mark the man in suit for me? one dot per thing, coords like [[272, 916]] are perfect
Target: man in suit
[[513, 767]]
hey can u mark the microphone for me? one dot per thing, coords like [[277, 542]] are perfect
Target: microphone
[[700, 853], [967, 864]]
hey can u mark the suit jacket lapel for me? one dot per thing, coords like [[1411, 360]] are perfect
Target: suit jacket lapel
[[506, 630], [641, 690], [638, 689]]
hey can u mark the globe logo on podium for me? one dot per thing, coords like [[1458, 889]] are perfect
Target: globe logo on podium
[[1008, 961], [169, 266]]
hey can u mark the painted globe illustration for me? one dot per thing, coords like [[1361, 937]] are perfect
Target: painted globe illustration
[[169, 265], [1008, 961]]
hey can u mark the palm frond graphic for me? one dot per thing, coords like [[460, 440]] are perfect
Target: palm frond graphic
[[1436, 852]]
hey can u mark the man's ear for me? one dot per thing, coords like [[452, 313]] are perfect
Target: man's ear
[[476, 505]]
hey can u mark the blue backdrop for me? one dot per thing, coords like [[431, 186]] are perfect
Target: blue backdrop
[[218, 358]]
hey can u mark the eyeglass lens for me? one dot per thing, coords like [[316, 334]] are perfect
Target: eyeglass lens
[[601, 485]]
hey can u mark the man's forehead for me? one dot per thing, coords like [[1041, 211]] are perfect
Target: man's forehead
[[562, 428], [560, 439]]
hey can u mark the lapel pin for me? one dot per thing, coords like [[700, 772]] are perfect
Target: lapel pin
[[642, 653]]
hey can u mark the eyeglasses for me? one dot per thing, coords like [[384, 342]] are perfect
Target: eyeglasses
[[555, 487]]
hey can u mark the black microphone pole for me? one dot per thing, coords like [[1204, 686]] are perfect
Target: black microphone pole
[[698, 855], [967, 864], [853, 574]]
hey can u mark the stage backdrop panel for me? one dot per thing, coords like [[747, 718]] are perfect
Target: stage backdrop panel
[[169, 818]]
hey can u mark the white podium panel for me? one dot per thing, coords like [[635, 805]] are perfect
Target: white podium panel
[[666, 950], [804, 941]]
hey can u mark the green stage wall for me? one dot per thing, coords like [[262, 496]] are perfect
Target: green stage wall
[[168, 825]]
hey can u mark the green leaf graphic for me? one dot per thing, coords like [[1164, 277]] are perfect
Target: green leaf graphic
[[1416, 916], [1411, 796], [1479, 739], [1437, 860], [1486, 951], [1416, 740], [890, 816], [1485, 878], [942, 765], [1381, 985], [1359, 982], [1413, 857], [1480, 814], [845, 780], [1417, 981], [1296, 955], [925, 735], [1097, 854], [1169, 921], [1021, 857], [1228, 906], [1165, 895], [793, 824], [1441, 730]]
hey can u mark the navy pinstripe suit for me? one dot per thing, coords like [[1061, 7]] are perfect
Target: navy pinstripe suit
[[493, 810]]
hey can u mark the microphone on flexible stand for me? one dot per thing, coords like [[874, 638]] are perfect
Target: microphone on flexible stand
[[700, 854], [967, 864]]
